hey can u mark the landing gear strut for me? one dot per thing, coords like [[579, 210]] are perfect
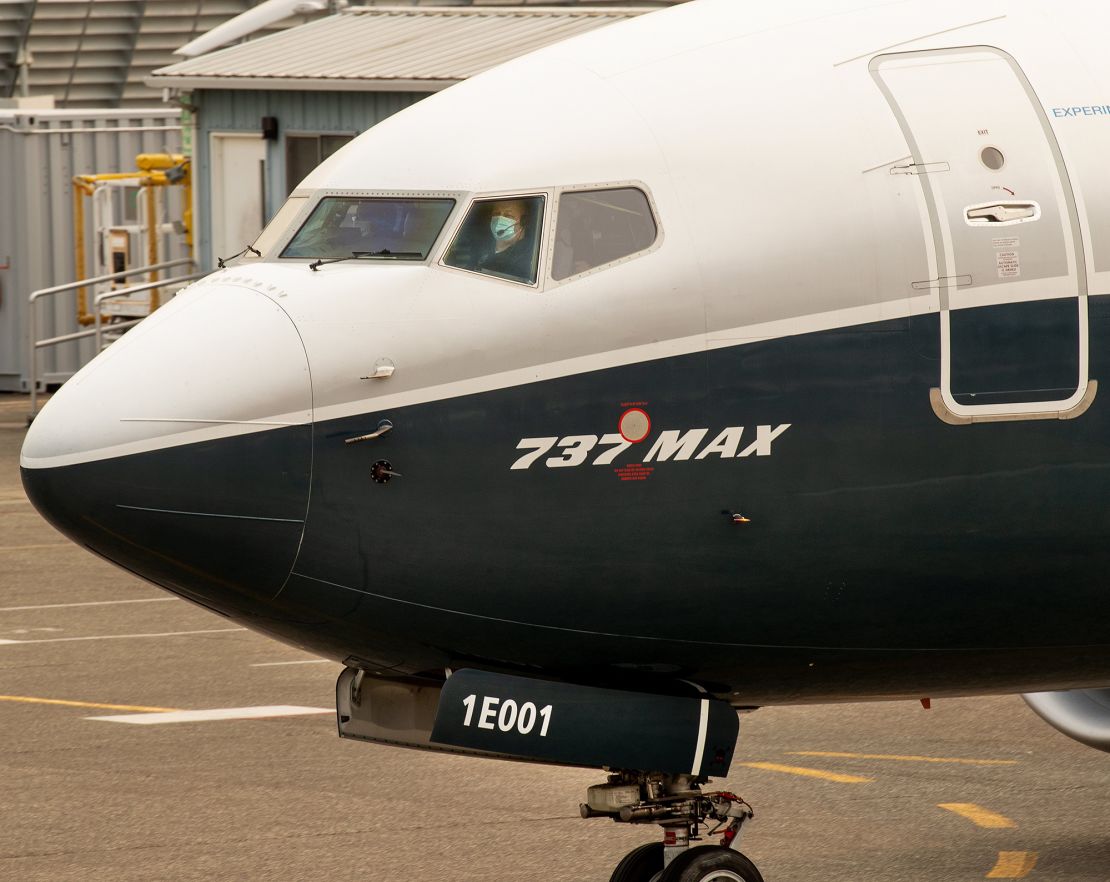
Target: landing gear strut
[[678, 805]]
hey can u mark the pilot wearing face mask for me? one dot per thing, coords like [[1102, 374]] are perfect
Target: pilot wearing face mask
[[508, 254]]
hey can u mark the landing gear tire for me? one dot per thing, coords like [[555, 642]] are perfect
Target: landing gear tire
[[711, 863], [642, 864]]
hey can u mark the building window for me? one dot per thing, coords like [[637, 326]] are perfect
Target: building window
[[304, 152]]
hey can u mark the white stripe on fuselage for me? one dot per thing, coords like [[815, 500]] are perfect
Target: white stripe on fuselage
[[741, 336]]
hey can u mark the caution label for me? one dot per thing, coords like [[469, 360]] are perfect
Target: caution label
[[1009, 264], [634, 472]]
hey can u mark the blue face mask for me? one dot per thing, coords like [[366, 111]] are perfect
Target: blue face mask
[[503, 228]]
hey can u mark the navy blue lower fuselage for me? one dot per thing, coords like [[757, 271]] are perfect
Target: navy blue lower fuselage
[[886, 554]]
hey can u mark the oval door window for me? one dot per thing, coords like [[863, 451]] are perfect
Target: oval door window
[[992, 158]]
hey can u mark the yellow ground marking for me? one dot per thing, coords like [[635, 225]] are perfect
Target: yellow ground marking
[[905, 759], [4, 548], [809, 773], [27, 699], [1013, 865], [979, 815]]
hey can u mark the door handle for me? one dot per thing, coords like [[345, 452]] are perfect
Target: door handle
[[1002, 213], [383, 427]]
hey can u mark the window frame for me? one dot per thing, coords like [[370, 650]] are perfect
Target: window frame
[[660, 234], [547, 194], [316, 196], [305, 134]]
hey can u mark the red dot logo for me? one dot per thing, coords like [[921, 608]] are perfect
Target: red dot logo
[[634, 425]]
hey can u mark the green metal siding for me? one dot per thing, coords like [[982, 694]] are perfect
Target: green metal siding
[[328, 113]]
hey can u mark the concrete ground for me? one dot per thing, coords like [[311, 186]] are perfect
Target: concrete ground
[[972, 789]]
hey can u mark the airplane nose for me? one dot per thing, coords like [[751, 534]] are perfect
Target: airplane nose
[[183, 451]]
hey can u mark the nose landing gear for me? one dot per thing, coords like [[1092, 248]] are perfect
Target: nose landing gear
[[710, 863], [678, 805]]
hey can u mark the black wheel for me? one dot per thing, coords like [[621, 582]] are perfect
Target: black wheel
[[641, 864], [711, 863]]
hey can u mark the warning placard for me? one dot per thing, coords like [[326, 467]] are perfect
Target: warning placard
[[635, 471], [1009, 264], [1006, 242]]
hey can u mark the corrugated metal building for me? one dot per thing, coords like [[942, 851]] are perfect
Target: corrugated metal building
[[97, 53], [40, 152], [320, 84]]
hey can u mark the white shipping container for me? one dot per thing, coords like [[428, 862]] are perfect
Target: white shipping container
[[40, 152]]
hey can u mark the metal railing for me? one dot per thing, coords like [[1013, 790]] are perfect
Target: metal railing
[[97, 330]]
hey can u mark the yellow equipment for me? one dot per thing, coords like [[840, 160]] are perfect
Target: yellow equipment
[[154, 170]]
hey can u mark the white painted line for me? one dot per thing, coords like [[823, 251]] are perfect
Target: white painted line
[[310, 661], [86, 603], [125, 636], [218, 713], [703, 728], [31, 630], [4, 548]]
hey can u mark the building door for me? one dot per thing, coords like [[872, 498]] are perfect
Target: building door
[[238, 191], [1006, 256]]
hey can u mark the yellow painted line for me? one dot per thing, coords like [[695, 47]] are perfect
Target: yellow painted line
[[27, 699], [905, 759], [1013, 865], [809, 773], [979, 815]]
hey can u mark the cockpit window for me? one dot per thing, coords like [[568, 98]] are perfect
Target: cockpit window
[[597, 227], [371, 228], [279, 224], [500, 237]]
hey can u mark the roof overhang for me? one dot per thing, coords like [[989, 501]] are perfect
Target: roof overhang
[[387, 48], [311, 84]]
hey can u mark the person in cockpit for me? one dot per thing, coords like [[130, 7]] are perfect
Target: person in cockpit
[[508, 253]]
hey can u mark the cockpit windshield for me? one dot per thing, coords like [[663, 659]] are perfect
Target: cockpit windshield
[[371, 228]]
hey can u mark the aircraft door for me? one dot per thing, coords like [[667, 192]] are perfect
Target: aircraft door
[[1002, 230]]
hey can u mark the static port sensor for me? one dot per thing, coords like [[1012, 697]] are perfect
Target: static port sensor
[[575, 725]]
